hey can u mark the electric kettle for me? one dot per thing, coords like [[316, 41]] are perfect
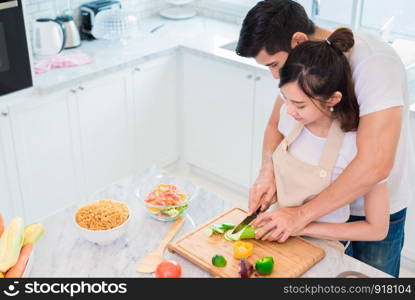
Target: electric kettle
[[73, 38], [49, 37]]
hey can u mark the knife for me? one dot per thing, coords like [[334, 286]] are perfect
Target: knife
[[156, 28], [246, 221]]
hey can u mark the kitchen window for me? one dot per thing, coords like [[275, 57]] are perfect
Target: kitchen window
[[358, 14], [376, 13], [236, 7]]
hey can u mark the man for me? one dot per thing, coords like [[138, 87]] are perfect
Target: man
[[270, 30]]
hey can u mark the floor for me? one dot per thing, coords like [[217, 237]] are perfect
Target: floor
[[225, 192]]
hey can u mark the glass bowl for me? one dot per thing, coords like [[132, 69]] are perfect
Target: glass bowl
[[156, 179]]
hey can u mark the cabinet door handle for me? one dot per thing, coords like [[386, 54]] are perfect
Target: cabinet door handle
[[137, 69], [4, 114], [250, 76], [73, 91], [81, 88], [258, 78]]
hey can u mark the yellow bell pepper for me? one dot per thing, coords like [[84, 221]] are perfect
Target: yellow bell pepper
[[242, 249]]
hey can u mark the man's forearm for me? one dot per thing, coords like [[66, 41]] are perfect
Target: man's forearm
[[272, 139], [354, 182], [377, 141]]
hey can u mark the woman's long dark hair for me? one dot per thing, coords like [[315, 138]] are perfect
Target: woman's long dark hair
[[320, 69]]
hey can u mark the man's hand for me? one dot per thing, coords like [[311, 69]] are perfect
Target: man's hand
[[280, 224], [263, 192]]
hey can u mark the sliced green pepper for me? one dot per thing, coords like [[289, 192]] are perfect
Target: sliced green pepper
[[247, 232], [265, 265], [227, 226], [219, 261], [219, 228]]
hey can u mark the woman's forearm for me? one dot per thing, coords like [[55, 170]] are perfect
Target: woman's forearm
[[352, 231]]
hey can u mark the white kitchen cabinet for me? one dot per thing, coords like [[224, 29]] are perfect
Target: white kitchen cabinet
[[218, 113], [266, 92], [156, 112], [44, 151], [6, 204], [104, 129], [10, 201]]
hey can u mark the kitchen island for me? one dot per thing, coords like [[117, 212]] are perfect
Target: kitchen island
[[62, 252]]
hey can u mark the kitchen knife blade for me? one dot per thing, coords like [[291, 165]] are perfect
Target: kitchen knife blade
[[156, 28], [246, 221]]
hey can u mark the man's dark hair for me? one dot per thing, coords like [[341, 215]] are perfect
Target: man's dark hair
[[271, 24]]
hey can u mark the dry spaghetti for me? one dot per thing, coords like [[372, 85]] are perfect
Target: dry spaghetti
[[102, 215]]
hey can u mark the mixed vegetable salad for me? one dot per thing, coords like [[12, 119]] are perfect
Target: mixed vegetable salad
[[165, 201]]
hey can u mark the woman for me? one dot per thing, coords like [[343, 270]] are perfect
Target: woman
[[319, 121]]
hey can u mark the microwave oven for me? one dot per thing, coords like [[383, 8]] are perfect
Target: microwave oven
[[15, 71]]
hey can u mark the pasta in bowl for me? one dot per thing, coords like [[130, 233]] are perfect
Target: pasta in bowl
[[102, 222]]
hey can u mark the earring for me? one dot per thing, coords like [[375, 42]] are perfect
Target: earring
[[331, 108]]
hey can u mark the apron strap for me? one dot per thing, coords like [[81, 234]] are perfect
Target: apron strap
[[332, 146], [294, 134]]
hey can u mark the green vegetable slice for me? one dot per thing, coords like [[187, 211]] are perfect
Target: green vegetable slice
[[173, 212], [246, 233], [219, 261], [227, 226], [229, 236], [219, 228], [264, 266]]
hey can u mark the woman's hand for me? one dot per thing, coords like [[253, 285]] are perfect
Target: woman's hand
[[263, 191]]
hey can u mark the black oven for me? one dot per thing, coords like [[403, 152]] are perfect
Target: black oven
[[15, 72]]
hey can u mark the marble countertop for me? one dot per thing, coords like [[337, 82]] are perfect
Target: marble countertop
[[200, 34], [62, 252]]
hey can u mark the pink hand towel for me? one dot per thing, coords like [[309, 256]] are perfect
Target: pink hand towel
[[62, 61]]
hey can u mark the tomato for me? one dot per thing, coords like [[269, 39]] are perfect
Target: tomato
[[166, 195], [169, 269]]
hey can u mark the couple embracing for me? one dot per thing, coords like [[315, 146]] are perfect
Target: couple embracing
[[336, 154]]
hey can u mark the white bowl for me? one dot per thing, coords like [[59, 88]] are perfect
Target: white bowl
[[104, 237]]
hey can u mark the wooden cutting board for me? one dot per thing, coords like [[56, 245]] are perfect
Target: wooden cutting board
[[292, 258]]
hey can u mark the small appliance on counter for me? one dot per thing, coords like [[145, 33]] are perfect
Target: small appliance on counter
[[119, 24], [90, 10], [72, 36], [49, 37]]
